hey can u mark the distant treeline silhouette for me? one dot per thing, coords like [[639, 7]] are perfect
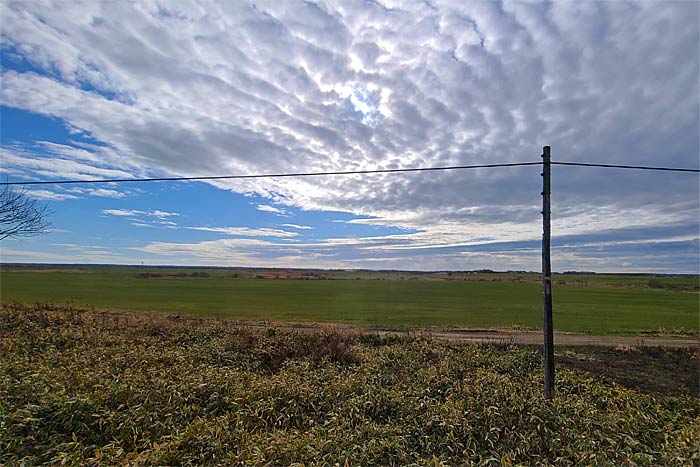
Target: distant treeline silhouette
[[148, 275]]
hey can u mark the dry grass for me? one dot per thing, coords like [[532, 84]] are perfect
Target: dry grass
[[87, 388]]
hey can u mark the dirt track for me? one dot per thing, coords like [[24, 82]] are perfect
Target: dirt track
[[506, 336], [564, 339]]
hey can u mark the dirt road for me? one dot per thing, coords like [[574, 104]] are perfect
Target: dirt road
[[563, 339], [504, 336]]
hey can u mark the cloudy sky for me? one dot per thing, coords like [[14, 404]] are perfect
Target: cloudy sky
[[153, 88]]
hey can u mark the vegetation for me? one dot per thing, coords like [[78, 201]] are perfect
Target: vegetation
[[147, 275], [20, 215], [88, 388], [590, 304]]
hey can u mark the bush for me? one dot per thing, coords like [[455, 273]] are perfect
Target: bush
[[86, 388]]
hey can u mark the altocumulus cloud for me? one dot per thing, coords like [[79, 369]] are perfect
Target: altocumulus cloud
[[270, 87]]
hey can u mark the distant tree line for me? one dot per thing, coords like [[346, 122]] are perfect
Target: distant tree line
[[148, 275]]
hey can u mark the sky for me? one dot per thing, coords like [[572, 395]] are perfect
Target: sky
[[99, 90]]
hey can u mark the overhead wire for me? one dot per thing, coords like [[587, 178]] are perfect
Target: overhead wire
[[299, 174], [345, 172], [637, 167]]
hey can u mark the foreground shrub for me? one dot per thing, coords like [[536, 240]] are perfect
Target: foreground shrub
[[86, 388]]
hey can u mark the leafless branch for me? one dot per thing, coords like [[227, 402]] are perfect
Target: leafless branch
[[20, 215]]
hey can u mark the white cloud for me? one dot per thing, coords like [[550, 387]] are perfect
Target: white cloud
[[378, 252], [162, 214], [99, 192], [134, 212], [76, 256], [53, 161], [75, 246], [272, 209], [280, 87], [149, 218], [48, 195], [297, 226], [225, 251], [122, 212], [247, 232]]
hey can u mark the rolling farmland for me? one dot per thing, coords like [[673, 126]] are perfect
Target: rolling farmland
[[150, 383], [588, 304]]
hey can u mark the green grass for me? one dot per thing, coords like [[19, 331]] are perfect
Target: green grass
[[85, 388], [670, 282], [598, 307]]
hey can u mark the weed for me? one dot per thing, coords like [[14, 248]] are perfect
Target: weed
[[84, 388]]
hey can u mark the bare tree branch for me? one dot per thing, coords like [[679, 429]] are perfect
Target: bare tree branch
[[20, 215]]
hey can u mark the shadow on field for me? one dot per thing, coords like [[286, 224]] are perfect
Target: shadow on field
[[665, 371]]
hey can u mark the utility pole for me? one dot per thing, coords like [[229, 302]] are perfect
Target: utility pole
[[547, 275]]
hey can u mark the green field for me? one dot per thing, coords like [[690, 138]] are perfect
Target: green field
[[591, 304]]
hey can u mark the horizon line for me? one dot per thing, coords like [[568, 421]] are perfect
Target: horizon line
[[416, 271]]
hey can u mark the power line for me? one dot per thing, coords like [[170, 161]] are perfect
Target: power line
[[348, 172], [639, 167], [303, 174]]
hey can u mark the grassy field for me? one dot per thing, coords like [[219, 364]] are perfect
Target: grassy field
[[87, 388], [590, 304]]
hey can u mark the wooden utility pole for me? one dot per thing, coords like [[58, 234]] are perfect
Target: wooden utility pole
[[547, 276]]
